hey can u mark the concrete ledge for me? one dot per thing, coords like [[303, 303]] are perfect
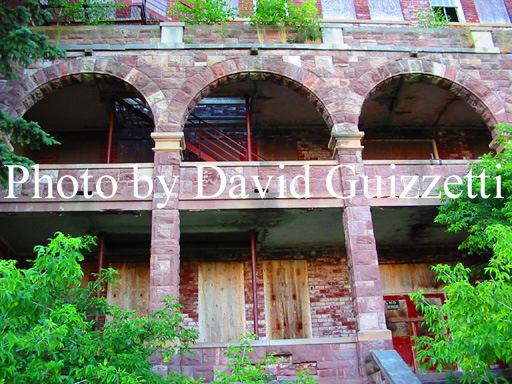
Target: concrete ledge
[[391, 367], [313, 47], [270, 343]]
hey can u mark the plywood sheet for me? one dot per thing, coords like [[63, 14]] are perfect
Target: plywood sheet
[[132, 293], [221, 301], [287, 306], [406, 278]]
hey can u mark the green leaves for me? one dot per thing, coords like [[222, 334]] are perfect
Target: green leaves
[[89, 12], [18, 44], [48, 335], [203, 11], [475, 214], [473, 328], [432, 18], [240, 368]]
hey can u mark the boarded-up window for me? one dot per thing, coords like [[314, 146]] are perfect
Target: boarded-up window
[[221, 301], [405, 278], [287, 307], [385, 10], [132, 293], [492, 11], [339, 9], [157, 7]]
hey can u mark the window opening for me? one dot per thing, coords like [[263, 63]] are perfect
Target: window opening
[[451, 8]]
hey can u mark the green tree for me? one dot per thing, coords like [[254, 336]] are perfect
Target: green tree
[[473, 328], [19, 46], [48, 330]]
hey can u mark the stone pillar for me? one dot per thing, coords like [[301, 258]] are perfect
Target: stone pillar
[[165, 228], [362, 258]]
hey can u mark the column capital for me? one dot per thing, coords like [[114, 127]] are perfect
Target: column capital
[[168, 141], [346, 140]]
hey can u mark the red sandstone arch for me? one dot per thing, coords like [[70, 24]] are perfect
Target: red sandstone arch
[[485, 102], [322, 95], [29, 90]]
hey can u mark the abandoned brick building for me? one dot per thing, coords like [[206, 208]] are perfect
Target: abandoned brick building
[[287, 217]]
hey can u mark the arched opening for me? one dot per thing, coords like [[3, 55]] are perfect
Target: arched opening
[[419, 117], [97, 119], [277, 116]]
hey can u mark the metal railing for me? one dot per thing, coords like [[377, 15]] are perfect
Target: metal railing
[[211, 144]]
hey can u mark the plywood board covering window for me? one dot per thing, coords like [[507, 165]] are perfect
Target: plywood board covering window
[[406, 278], [336, 9], [221, 301], [132, 293], [287, 308]]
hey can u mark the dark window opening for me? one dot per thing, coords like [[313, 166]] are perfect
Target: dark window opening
[[449, 12]]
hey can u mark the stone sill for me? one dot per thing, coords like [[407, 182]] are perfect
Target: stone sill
[[319, 47], [270, 343]]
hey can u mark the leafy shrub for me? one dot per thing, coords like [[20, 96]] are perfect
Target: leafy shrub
[[48, 330], [86, 11], [242, 370], [203, 11], [282, 13], [432, 18]]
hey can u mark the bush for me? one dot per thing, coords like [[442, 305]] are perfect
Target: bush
[[49, 334], [203, 11], [432, 18], [241, 370]]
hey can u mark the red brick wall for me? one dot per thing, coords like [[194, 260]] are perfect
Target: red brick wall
[[331, 304], [362, 9], [470, 11], [508, 4], [330, 299]]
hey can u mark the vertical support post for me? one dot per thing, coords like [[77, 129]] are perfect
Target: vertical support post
[[254, 282], [165, 232], [100, 267], [110, 134], [248, 126], [101, 257], [362, 257]]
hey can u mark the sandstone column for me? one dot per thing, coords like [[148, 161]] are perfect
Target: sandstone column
[[165, 229], [362, 258]]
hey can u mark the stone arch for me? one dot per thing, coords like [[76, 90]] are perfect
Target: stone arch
[[478, 96], [321, 95], [29, 90]]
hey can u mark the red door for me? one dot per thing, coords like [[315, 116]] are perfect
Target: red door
[[404, 322]]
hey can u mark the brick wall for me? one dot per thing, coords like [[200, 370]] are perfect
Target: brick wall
[[330, 300], [362, 9], [470, 11]]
